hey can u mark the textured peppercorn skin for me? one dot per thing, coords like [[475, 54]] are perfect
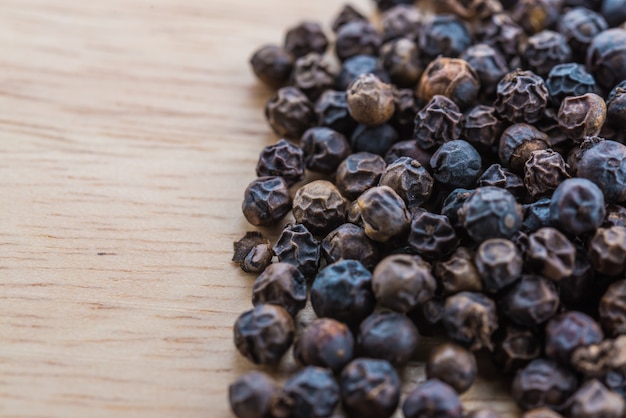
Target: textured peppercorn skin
[[593, 399], [568, 331], [444, 35], [400, 58], [349, 242], [357, 38], [389, 336], [605, 165], [542, 383], [319, 206], [606, 57], [359, 172], [370, 388], [456, 164], [454, 365], [489, 64], [283, 159], [470, 319], [517, 143], [289, 113], [409, 179], [304, 38], [343, 291], [579, 26], [544, 50], [521, 96], [537, 215], [616, 106], [370, 101], [490, 212], [569, 79], [450, 77], [326, 343], [612, 309], [402, 21], [499, 263], [360, 64], [383, 213], [432, 236], [432, 398], [373, 139], [437, 122], [544, 171], [324, 148], [453, 204], [264, 334], [582, 116], [497, 176], [551, 254], [531, 301], [458, 273], [251, 395], [280, 284], [577, 206], [481, 127], [310, 393], [272, 65], [607, 249], [313, 74], [501, 32], [514, 348], [266, 201]]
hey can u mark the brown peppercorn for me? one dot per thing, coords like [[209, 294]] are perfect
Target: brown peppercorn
[[283, 159], [402, 281], [481, 127], [569, 331], [400, 58], [272, 65], [541, 413], [499, 263], [551, 253], [289, 113], [458, 273], [594, 400], [521, 97], [280, 284], [544, 171], [531, 301], [452, 364], [349, 242], [253, 252], [319, 206], [266, 201], [450, 77], [543, 383], [383, 213], [470, 319], [251, 395], [325, 342], [358, 37], [607, 249], [313, 74], [514, 348], [298, 247], [596, 360], [409, 179], [582, 116], [370, 101], [432, 398], [264, 334], [537, 15], [612, 308], [432, 236], [437, 122], [358, 173], [304, 38], [389, 336], [402, 21], [518, 142]]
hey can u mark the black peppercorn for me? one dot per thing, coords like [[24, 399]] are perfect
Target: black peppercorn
[[544, 171], [450, 77], [431, 235], [481, 127], [537, 215], [582, 116], [470, 319], [577, 206], [305, 38], [612, 308], [389, 336], [349, 242], [272, 65], [499, 263], [251, 395], [593, 399], [456, 164], [521, 97], [568, 331], [607, 249], [544, 50], [264, 334], [402, 21], [531, 301], [289, 113], [358, 173], [410, 149], [489, 64], [543, 383], [458, 273], [514, 348], [280, 284], [297, 246], [605, 165], [401, 60], [444, 35], [313, 74], [324, 149], [616, 106], [432, 398], [370, 101], [437, 122], [253, 252], [374, 139], [570, 79], [358, 37], [537, 15], [580, 25], [325, 342], [452, 364], [497, 176], [347, 14], [606, 57], [282, 159], [319, 206], [575, 289], [409, 179], [614, 11], [383, 213], [266, 201], [358, 65], [311, 392], [518, 142], [370, 388], [501, 32], [551, 253], [490, 212]]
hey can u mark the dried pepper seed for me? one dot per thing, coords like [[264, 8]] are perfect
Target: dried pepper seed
[[319, 206], [543, 383], [280, 284], [311, 392], [251, 395], [432, 398], [452, 364], [325, 342], [450, 77], [389, 336], [266, 201]]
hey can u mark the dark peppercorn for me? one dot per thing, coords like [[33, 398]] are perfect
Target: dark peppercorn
[[358, 173], [319, 206], [432, 236], [497, 176], [521, 97], [280, 284], [490, 212], [582, 116], [252, 394], [313, 74], [544, 171], [514, 348], [612, 308], [458, 273], [575, 289], [402, 21], [597, 360], [297, 246], [452, 205], [543, 383], [401, 282], [579, 26], [374, 139], [568, 331], [537, 215], [432, 398], [349, 242], [389, 336], [489, 64], [370, 388], [408, 148], [358, 37], [616, 106], [606, 57], [325, 343], [501, 32], [452, 364], [481, 127], [518, 142], [570, 79], [343, 291], [324, 149], [305, 38], [266, 201], [531, 301], [593, 400], [427, 317], [450, 77], [470, 319], [370, 101], [605, 165], [614, 11], [253, 252], [456, 164], [383, 213], [551, 253], [607, 249], [347, 14], [311, 392], [444, 35], [577, 206], [544, 50], [264, 334], [289, 113], [401, 60], [537, 15], [282, 159], [499, 263], [437, 122], [409, 180], [403, 119], [358, 65], [272, 65]]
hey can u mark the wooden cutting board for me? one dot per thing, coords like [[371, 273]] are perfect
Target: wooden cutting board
[[128, 132]]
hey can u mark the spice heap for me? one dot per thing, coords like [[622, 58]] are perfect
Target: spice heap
[[471, 176]]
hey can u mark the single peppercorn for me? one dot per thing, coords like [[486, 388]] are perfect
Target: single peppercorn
[[570, 79], [409, 180], [370, 101], [319, 206], [253, 252], [304, 38], [347, 14], [501, 32], [606, 57], [490, 212], [298, 247], [489, 64], [531, 301], [324, 149], [577, 206], [373, 139], [343, 291], [544, 50], [537, 15], [456, 164], [289, 113], [432, 236], [614, 11], [582, 116], [358, 37], [521, 96], [616, 106], [596, 360], [444, 35], [389, 336], [400, 58], [383, 213], [518, 142], [349, 242], [326, 343], [579, 26], [432, 398], [568, 331], [551, 254], [452, 364], [537, 215], [282, 159], [450, 77], [515, 347], [605, 165], [272, 65], [266, 201], [497, 176], [612, 308], [358, 173], [499, 263], [402, 21], [358, 65], [607, 249], [313, 74], [470, 319], [280, 284], [593, 400], [251, 395], [458, 273], [481, 127], [437, 122], [312, 392], [408, 148], [264, 334], [544, 171], [370, 388], [543, 383], [402, 281]]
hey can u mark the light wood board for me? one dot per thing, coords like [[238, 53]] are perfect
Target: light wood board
[[128, 132]]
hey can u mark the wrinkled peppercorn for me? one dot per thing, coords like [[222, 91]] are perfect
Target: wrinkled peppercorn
[[383, 213], [452, 364], [432, 236], [389, 336], [470, 319], [401, 282], [551, 253], [403, 119], [253, 252], [282, 159], [444, 35], [593, 400], [400, 58], [370, 101], [313, 74], [370, 388], [577, 206], [358, 65], [543, 383], [264, 334], [490, 212], [582, 116], [612, 308], [343, 291], [325, 342], [489, 64], [537, 215], [437, 122], [280, 284], [349, 242], [521, 97], [409, 180], [607, 249], [481, 127], [432, 398], [266, 201], [568, 331], [514, 348], [531, 301], [305, 38], [596, 360], [331, 109], [251, 395], [518, 142], [458, 273], [289, 113], [450, 77], [347, 14], [358, 37], [499, 263], [401, 21], [544, 171], [456, 164], [319, 206], [544, 50], [570, 79], [452, 205], [311, 392], [272, 65], [606, 57], [497, 176], [297, 246], [358, 173], [501, 32], [324, 149], [579, 26], [605, 165]]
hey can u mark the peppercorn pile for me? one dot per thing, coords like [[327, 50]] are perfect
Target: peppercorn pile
[[471, 176]]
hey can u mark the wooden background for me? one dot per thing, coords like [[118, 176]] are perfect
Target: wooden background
[[128, 132]]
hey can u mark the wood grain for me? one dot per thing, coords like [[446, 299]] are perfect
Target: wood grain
[[128, 132]]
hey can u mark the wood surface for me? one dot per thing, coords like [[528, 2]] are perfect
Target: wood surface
[[128, 132]]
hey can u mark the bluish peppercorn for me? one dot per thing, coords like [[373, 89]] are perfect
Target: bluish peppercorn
[[577, 206], [456, 164], [491, 212]]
